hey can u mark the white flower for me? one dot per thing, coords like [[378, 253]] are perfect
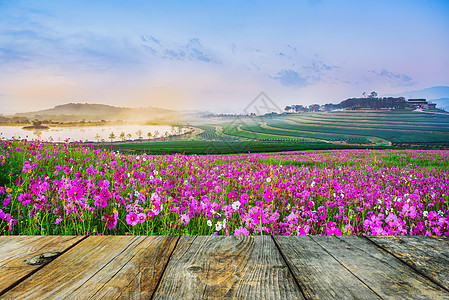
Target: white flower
[[209, 223], [151, 177], [156, 173], [236, 205], [269, 179], [218, 226], [240, 178], [137, 157], [425, 213], [224, 223], [312, 184]]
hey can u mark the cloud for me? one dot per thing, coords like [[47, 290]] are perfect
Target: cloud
[[290, 78], [289, 53], [193, 50], [395, 80], [34, 48], [320, 67]]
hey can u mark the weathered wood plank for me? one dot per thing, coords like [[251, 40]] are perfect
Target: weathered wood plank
[[383, 273], [444, 239], [22, 255], [227, 268], [111, 267], [426, 255], [318, 273]]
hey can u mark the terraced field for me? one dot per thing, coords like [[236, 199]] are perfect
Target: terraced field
[[374, 128], [212, 133]]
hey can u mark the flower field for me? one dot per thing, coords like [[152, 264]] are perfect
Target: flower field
[[75, 189]]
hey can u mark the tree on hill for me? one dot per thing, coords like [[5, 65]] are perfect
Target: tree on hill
[[37, 123], [314, 107], [372, 95]]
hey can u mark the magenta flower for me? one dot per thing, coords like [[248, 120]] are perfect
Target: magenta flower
[[132, 219], [241, 231], [141, 217], [110, 220], [244, 198], [24, 199], [150, 215], [26, 168], [268, 196], [258, 217], [185, 219]]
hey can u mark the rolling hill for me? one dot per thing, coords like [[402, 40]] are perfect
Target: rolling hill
[[76, 112]]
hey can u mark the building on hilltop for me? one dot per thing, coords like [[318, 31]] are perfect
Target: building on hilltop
[[421, 103]]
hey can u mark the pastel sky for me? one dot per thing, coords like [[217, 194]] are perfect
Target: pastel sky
[[217, 55]]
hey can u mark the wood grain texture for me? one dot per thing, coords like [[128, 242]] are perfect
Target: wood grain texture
[[112, 267], [383, 273], [318, 273], [427, 255], [227, 268], [16, 250]]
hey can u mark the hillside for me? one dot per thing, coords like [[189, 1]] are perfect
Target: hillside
[[77, 112]]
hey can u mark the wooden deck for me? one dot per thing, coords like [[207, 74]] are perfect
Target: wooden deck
[[140, 267]]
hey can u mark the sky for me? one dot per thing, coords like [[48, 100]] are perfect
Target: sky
[[217, 55]]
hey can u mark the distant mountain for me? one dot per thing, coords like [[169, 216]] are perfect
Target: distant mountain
[[435, 92], [76, 112]]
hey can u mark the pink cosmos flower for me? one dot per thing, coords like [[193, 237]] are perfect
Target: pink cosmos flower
[[150, 215], [24, 199], [185, 219], [26, 168], [141, 217], [241, 231], [303, 230], [244, 198], [409, 211], [132, 219], [258, 217], [268, 196], [333, 231]]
